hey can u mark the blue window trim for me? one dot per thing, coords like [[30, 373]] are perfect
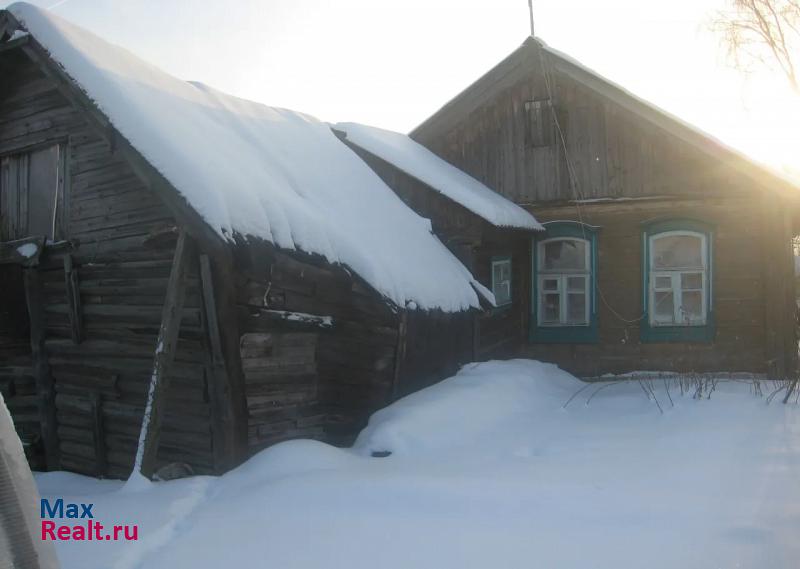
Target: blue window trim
[[565, 334], [497, 259], [657, 334]]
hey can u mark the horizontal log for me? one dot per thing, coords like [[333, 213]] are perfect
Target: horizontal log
[[126, 315], [23, 252]]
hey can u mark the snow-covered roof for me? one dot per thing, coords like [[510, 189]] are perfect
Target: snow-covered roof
[[418, 162], [259, 171]]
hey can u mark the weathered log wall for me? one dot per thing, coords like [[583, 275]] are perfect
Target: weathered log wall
[[437, 345], [123, 240], [318, 349]]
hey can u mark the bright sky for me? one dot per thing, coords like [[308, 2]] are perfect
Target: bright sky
[[392, 64]]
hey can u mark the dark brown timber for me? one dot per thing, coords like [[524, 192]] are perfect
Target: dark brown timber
[[165, 354], [45, 389], [73, 299], [222, 411]]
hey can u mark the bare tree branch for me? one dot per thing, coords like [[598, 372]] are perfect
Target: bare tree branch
[[763, 31]]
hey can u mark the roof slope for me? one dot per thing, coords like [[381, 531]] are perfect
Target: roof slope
[[261, 172], [422, 164], [519, 63]]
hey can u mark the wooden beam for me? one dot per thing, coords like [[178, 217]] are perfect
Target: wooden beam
[[45, 388], [166, 348], [476, 336], [14, 44], [98, 434], [229, 326], [222, 412], [73, 299], [399, 353], [23, 252]]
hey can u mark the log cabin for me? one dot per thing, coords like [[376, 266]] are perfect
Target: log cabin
[[664, 249], [228, 274]]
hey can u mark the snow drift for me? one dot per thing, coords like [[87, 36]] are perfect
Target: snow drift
[[489, 469], [490, 396]]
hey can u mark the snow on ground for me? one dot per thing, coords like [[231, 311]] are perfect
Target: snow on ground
[[418, 162], [259, 171], [488, 470]]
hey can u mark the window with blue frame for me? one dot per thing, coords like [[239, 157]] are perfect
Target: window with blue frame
[[501, 280], [678, 282], [564, 284]]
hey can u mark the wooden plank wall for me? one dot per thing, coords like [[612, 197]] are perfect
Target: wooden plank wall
[[306, 380], [781, 313], [502, 331], [437, 345], [742, 274], [122, 275], [613, 153]]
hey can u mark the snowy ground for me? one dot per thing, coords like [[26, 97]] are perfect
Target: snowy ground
[[489, 471]]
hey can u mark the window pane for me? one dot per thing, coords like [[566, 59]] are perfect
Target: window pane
[[692, 307], [551, 308], [569, 254], [550, 284], [576, 284], [664, 309], [676, 251], [502, 293], [42, 188], [11, 226], [691, 281], [663, 282], [501, 281], [576, 308]]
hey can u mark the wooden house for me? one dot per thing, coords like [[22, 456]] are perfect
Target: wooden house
[[490, 236], [664, 250], [233, 269]]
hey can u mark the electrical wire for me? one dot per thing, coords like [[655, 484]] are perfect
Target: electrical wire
[[576, 190]]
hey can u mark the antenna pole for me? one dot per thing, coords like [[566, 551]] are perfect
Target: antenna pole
[[530, 10]]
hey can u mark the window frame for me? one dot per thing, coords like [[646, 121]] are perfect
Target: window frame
[[501, 260], [700, 331], [21, 154], [540, 127], [564, 331], [562, 277]]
